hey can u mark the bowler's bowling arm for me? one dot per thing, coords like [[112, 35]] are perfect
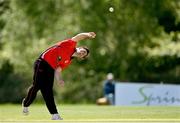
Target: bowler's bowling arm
[[82, 36]]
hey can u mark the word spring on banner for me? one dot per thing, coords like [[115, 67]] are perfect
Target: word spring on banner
[[147, 94]]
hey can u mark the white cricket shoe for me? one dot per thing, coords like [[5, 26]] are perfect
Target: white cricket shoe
[[25, 110], [56, 117]]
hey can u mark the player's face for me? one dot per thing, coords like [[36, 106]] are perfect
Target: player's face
[[81, 52]]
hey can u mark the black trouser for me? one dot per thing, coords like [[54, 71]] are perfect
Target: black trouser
[[43, 81]]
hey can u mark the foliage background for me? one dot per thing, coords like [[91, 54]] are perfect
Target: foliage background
[[138, 42]]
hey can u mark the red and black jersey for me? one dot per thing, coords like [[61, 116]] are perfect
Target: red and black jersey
[[60, 54]]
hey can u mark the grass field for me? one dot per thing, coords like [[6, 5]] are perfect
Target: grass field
[[92, 114]]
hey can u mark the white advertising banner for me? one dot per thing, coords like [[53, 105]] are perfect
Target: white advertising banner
[[147, 94]]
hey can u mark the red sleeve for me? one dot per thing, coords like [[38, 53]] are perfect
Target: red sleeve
[[67, 43]]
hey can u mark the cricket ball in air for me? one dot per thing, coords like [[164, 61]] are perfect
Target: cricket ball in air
[[111, 9]]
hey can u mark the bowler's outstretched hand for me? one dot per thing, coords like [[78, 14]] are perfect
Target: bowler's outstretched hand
[[91, 34]]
